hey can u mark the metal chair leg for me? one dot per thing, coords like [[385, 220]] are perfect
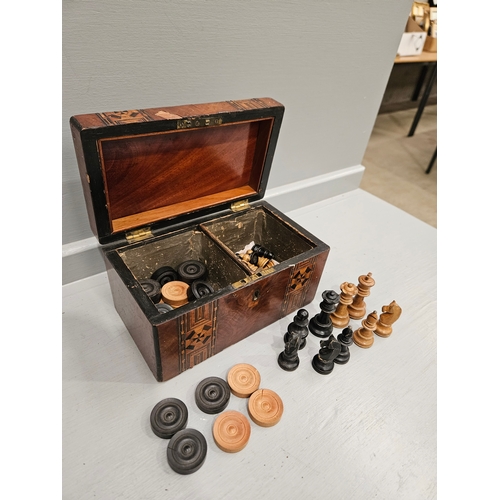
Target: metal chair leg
[[423, 101], [433, 159]]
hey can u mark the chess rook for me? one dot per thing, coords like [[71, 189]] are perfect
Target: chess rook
[[321, 324], [357, 309], [340, 317], [390, 314], [363, 337], [299, 326]]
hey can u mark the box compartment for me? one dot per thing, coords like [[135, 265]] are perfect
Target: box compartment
[[233, 232]]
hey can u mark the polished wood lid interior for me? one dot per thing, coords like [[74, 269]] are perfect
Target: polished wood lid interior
[[160, 175]]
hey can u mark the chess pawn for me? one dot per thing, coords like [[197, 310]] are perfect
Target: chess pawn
[[324, 361], [363, 337], [340, 317], [345, 340], [390, 314], [357, 309], [321, 324], [289, 357], [298, 326]]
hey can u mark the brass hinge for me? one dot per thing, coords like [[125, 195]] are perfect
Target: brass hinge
[[196, 122], [139, 234], [238, 206]]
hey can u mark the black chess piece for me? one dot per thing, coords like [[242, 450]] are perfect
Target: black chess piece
[[321, 324], [345, 339], [299, 326], [323, 362], [289, 357]]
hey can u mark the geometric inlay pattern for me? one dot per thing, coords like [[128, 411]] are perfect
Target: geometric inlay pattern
[[123, 117], [298, 285], [197, 333]]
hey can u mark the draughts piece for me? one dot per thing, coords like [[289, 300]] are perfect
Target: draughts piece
[[243, 379], [164, 275], [265, 407], [187, 451], [164, 308], [231, 431], [152, 289], [175, 293], [168, 417], [212, 395], [191, 270]]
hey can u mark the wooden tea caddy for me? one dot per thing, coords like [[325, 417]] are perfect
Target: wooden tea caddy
[[166, 185]]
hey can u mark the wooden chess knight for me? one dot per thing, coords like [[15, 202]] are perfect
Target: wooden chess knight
[[390, 314]]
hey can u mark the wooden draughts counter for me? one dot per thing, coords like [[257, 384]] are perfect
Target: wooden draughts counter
[[367, 430]]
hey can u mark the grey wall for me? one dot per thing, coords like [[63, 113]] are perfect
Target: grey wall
[[328, 62]]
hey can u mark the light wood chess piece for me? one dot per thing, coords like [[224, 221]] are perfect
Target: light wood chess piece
[[363, 337], [357, 309], [340, 317], [390, 314]]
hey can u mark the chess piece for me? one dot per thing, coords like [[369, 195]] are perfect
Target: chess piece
[[363, 336], [289, 358], [390, 314], [357, 309], [321, 324], [345, 339], [298, 325], [324, 361], [340, 317]]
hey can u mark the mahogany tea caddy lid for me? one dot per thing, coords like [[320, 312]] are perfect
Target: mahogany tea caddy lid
[[157, 168]]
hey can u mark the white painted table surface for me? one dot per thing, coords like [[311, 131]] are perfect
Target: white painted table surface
[[367, 430]]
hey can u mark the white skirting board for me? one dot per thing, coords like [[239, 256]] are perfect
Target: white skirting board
[[83, 258]]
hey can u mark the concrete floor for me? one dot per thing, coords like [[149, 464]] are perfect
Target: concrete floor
[[396, 164]]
